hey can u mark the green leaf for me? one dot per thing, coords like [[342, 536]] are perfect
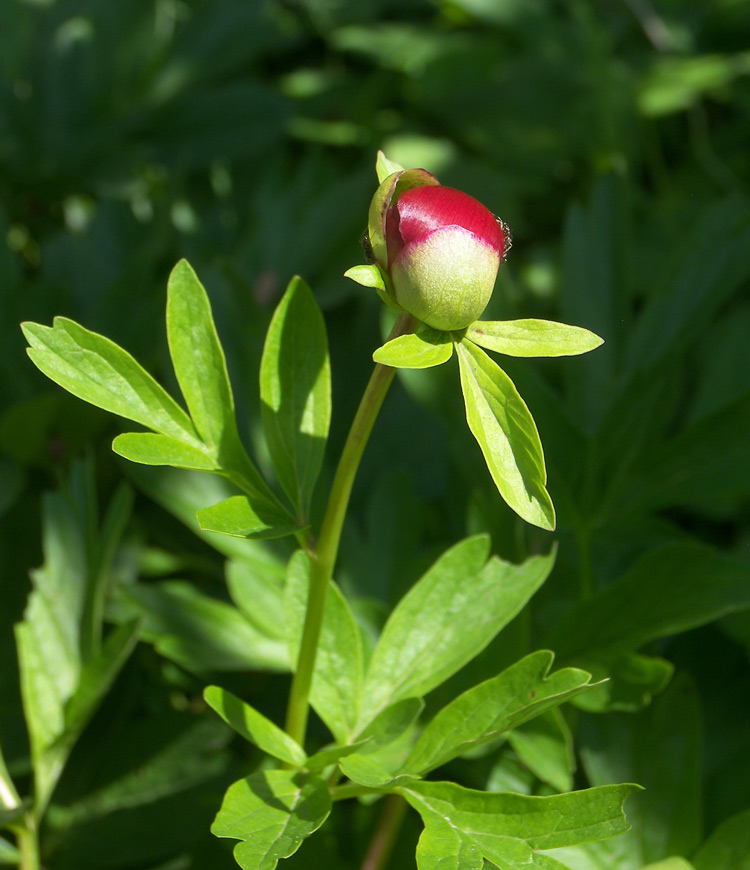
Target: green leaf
[[628, 680], [532, 337], [366, 771], [545, 746], [507, 435], [667, 590], [150, 448], [677, 863], [198, 360], [100, 372], [272, 812], [420, 350], [8, 853], [445, 619], [237, 516], [367, 276], [257, 588], [391, 724], [463, 825], [201, 633], [385, 167], [201, 370], [326, 757], [728, 847], [494, 707], [295, 390], [254, 726], [336, 689]]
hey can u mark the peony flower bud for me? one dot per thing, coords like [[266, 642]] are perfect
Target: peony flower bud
[[438, 249]]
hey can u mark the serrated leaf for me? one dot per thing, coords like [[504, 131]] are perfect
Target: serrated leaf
[[418, 350], [100, 372], [494, 707], [507, 829], [237, 516], [150, 448], [507, 435], [531, 338], [445, 619], [367, 276], [272, 812], [385, 167], [337, 679], [295, 390], [254, 726]]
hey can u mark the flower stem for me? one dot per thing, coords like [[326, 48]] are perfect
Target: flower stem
[[394, 808], [323, 555], [28, 844]]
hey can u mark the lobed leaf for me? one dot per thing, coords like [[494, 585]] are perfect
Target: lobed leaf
[[254, 726], [530, 338], [418, 350], [445, 619], [462, 825], [483, 713], [507, 435], [272, 812], [295, 390], [95, 369]]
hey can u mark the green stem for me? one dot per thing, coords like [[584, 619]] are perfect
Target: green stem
[[394, 809], [323, 556], [28, 844]]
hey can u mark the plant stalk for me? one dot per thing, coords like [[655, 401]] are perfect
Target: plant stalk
[[28, 844], [323, 555], [394, 808]]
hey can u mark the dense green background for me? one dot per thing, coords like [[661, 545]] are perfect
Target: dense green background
[[241, 134]]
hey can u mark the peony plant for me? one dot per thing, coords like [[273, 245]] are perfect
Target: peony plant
[[434, 255]]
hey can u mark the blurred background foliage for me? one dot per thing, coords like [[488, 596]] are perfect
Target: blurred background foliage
[[241, 134]]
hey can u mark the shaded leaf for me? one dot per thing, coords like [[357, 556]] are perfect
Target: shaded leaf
[[237, 516], [272, 812], [368, 772], [728, 847], [295, 390], [507, 435], [545, 746], [254, 726]]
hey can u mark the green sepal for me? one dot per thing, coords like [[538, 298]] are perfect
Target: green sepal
[[531, 338], [418, 350], [367, 276], [385, 167]]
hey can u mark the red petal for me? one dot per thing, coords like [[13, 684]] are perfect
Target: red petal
[[423, 209]]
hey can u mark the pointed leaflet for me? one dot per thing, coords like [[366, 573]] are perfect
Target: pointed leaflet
[[448, 617], [420, 350], [507, 435], [507, 829], [254, 726], [532, 337], [385, 167], [295, 389], [495, 706], [272, 812], [150, 448], [237, 516], [337, 679], [201, 371], [98, 371]]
